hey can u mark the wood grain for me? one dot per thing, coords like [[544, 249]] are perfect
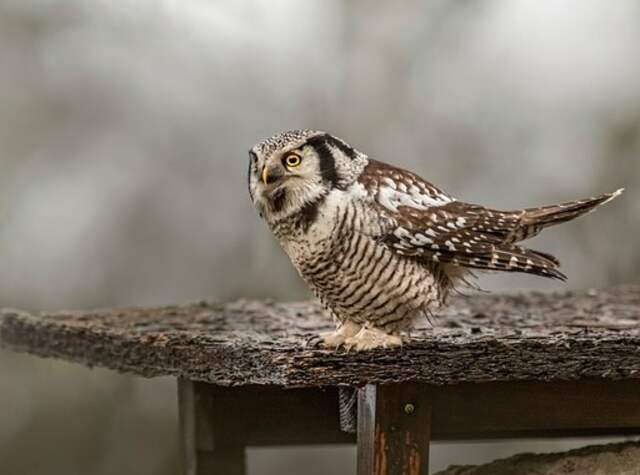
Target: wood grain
[[224, 453], [481, 338], [394, 430], [272, 415], [263, 416]]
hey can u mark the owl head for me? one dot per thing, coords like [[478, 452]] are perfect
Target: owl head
[[293, 169]]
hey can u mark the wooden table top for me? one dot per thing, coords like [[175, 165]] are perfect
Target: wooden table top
[[529, 336]]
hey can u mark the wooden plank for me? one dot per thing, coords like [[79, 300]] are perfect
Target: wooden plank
[[217, 423], [534, 409], [394, 430], [266, 416], [481, 338], [262, 416]]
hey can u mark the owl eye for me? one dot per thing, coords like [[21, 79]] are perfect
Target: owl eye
[[292, 160]]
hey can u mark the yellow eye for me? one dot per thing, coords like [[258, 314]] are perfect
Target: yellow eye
[[292, 160]]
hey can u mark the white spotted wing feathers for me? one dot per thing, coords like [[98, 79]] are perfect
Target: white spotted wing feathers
[[428, 224]]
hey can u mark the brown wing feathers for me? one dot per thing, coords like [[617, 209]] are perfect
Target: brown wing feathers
[[438, 228], [470, 235], [514, 226]]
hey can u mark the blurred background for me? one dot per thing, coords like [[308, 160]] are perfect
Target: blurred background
[[124, 130]]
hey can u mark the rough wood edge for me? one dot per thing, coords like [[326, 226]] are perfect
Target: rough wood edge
[[612, 459], [482, 339]]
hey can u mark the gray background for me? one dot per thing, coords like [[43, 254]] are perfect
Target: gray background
[[124, 130]]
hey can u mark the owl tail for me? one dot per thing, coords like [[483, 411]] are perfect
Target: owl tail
[[501, 230], [534, 220]]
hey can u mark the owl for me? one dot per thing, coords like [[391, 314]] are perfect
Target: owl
[[379, 246]]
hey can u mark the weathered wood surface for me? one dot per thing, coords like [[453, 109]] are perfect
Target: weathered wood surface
[[273, 415], [394, 430], [480, 338], [612, 459]]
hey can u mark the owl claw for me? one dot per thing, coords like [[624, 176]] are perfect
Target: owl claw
[[335, 339], [322, 342], [313, 341], [370, 338], [352, 337], [330, 340]]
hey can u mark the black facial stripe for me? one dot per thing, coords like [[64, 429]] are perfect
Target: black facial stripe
[[309, 212], [343, 147], [279, 199], [327, 162]]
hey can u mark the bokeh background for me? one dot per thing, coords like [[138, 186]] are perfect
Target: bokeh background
[[124, 130]]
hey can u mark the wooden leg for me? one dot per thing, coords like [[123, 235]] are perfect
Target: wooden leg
[[394, 430], [208, 448]]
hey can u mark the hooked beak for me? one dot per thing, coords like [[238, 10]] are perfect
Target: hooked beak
[[270, 174]]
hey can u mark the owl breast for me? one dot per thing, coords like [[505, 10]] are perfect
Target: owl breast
[[353, 274]]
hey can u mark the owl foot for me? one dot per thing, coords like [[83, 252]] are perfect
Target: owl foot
[[336, 338], [370, 338]]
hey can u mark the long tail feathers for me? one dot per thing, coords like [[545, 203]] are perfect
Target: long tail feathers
[[556, 214], [512, 258]]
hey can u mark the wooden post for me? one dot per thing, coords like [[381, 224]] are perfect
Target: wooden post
[[394, 430], [210, 447], [218, 423]]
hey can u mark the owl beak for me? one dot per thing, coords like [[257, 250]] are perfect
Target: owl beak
[[270, 174]]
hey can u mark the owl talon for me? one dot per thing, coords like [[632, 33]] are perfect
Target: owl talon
[[371, 338], [334, 339], [313, 341]]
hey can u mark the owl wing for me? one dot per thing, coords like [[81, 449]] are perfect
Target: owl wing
[[424, 222]]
